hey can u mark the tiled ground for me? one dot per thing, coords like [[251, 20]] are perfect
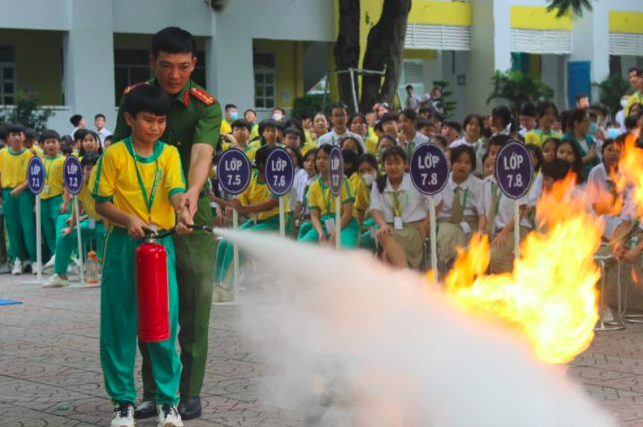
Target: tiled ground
[[50, 371]]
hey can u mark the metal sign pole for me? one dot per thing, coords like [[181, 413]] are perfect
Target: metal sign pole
[[433, 237], [282, 217], [38, 238], [80, 242], [516, 229], [235, 252]]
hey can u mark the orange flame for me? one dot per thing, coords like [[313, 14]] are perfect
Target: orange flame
[[550, 297], [631, 172]]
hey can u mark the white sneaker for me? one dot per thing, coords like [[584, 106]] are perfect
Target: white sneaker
[[608, 315], [49, 267], [17, 267], [56, 282], [123, 416], [168, 416]]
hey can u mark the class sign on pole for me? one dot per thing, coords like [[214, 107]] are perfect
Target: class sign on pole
[[280, 175], [73, 179]]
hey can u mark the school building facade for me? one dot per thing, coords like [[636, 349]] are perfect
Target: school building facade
[[79, 55]]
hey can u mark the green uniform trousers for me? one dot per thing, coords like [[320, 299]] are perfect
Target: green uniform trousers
[[349, 236], [21, 224], [194, 272], [49, 213], [224, 268], [118, 323], [67, 244]]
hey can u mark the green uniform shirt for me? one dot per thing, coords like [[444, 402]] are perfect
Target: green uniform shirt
[[195, 118]]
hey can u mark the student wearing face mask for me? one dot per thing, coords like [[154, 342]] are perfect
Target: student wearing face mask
[[278, 114], [368, 170], [231, 114]]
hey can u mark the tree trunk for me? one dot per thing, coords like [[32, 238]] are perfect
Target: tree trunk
[[384, 52], [346, 50]]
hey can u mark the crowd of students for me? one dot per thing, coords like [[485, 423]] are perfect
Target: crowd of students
[[381, 211]]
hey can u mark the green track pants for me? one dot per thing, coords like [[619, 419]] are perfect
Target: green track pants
[[21, 224]]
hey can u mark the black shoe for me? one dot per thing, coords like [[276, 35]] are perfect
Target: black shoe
[[190, 408], [146, 409]]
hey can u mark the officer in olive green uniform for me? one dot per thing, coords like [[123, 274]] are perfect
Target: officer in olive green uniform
[[195, 117]]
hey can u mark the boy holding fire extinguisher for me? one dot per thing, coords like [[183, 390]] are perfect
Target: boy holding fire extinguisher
[[139, 185]]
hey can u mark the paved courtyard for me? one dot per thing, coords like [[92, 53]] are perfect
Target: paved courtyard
[[50, 371]]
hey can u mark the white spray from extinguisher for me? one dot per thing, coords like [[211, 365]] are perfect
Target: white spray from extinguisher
[[356, 343]]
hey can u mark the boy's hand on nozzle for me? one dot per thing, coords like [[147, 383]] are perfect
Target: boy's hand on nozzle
[[135, 227], [237, 206]]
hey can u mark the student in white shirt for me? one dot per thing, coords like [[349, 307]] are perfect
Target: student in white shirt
[[460, 211], [339, 120], [400, 211], [408, 137], [601, 188], [499, 211], [472, 125]]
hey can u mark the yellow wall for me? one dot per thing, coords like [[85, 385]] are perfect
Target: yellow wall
[[38, 56], [289, 67], [626, 22], [537, 18]]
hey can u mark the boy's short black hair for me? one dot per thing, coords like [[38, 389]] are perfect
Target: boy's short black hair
[[410, 114], [261, 156], [339, 105], [388, 117], [30, 134], [528, 109], [14, 128], [378, 126], [500, 140], [229, 106], [100, 115], [580, 96], [453, 124], [173, 40], [279, 109], [250, 110], [633, 69], [441, 140], [75, 120], [241, 123], [429, 111], [148, 98], [90, 158], [268, 123], [556, 169], [409, 87], [294, 130], [66, 149], [49, 134]]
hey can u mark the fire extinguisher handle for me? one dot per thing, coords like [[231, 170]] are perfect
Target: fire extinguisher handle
[[151, 235]]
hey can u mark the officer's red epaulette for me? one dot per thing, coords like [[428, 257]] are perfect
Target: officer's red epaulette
[[128, 89], [203, 96]]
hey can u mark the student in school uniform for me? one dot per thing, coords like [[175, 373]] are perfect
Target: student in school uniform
[[91, 227], [369, 171], [570, 151], [460, 211], [472, 126], [51, 198], [261, 208], [269, 132], [240, 139], [17, 200], [89, 142], [579, 124], [321, 204], [601, 187], [351, 152], [302, 222], [499, 211], [409, 138], [357, 124], [400, 211], [547, 116]]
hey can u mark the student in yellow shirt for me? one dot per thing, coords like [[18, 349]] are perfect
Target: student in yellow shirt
[[250, 115], [322, 208], [139, 185], [51, 198], [91, 226], [231, 114], [357, 124], [547, 116], [17, 200], [89, 142], [240, 139], [636, 80], [262, 209], [269, 131], [294, 138]]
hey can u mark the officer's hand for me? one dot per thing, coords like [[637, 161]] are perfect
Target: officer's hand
[[184, 220], [135, 227], [191, 200]]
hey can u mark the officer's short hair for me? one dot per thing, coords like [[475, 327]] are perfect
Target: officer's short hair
[[173, 40], [148, 98], [49, 134], [241, 123]]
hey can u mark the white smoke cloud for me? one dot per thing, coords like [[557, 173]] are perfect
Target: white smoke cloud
[[351, 342]]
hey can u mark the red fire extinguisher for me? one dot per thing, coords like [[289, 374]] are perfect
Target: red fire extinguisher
[[152, 296]]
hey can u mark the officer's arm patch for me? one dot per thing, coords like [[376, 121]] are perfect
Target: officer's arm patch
[[203, 96], [128, 89]]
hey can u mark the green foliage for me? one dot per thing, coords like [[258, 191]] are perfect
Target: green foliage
[[27, 111], [446, 102], [611, 90], [309, 104], [518, 88], [563, 6]]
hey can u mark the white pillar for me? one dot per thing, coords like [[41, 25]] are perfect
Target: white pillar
[[229, 59], [88, 57], [481, 64]]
